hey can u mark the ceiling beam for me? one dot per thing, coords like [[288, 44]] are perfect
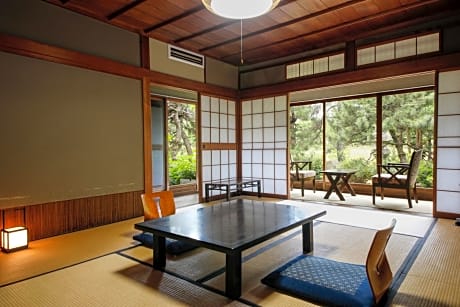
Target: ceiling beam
[[175, 18], [221, 26], [286, 24], [124, 9], [337, 27]]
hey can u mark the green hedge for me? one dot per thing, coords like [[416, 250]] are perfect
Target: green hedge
[[183, 167]]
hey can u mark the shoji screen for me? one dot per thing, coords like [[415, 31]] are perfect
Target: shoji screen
[[448, 159], [218, 140], [265, 142]]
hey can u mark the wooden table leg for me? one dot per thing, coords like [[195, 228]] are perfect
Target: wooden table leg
[[307, 237], [206, 192], [302, 184], [233, 275], [334, 187], [159, 252], [347, 185], [228, 192]]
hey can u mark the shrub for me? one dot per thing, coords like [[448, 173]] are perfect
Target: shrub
[[183, 167], [364, 169], [425, 174]]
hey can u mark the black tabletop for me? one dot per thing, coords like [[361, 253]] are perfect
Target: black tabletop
[[237, 224]]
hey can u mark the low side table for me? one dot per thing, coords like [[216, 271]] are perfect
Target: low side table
[[336, 176]]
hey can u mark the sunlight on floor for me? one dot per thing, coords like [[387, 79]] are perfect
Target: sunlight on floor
[[388, 203]]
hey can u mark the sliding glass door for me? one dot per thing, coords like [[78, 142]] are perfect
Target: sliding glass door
[[407, 125], [351, 136], [350, 127], [158, 145]]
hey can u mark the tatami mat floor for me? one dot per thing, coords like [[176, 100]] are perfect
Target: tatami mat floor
[[433, 279]]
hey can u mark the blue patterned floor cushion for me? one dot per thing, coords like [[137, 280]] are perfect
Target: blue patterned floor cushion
[[173, 247], [323, 281]]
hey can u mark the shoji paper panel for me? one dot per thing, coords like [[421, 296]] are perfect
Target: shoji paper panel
[[264, 142], [218, 127], [448, 159]]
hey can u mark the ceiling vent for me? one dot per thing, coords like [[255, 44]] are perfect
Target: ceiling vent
[[185, 56]]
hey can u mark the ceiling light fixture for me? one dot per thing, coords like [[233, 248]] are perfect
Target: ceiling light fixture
[[240, 9]]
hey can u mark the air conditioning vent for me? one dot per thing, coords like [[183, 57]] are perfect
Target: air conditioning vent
[[185, 56]]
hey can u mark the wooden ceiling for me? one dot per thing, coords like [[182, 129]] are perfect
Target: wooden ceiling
[[294, 26]]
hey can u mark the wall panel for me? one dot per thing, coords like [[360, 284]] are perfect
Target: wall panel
[[66, 132], [49, 24], [448, 143]]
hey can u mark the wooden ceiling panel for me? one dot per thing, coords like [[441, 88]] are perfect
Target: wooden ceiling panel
[[100, 9], [309, 7], [296, 10], [280, 16], [293, 26], [201, 21], [205, 41], [143, 13], [366, 8]]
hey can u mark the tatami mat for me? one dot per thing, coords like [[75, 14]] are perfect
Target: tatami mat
[[334, 241], [434, 278], [411, 225], [60, 251], [126, 278], [111, 280]]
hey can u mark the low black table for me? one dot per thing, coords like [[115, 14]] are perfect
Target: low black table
[[337, 176], [233, 184], [230, 227]]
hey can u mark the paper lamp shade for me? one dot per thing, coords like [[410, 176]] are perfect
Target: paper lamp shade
[[14, 238], [240, 9]]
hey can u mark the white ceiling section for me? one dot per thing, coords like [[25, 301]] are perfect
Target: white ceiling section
[[404, 82]]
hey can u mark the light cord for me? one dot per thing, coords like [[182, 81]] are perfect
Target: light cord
[[241, 41]]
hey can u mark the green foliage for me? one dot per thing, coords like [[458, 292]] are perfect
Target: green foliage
[[350, 130], [425, 174], [181, 142], [365, 169], [306, 131], [183, 167], [317, 165]]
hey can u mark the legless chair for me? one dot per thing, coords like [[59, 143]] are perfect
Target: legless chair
[[157, 205], [334, 283], [377, 267]]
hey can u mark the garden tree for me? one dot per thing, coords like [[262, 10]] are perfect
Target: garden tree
[[408, 120], [305, 130], [181, 139], [181, 128], [350, 122], [407, 125]]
